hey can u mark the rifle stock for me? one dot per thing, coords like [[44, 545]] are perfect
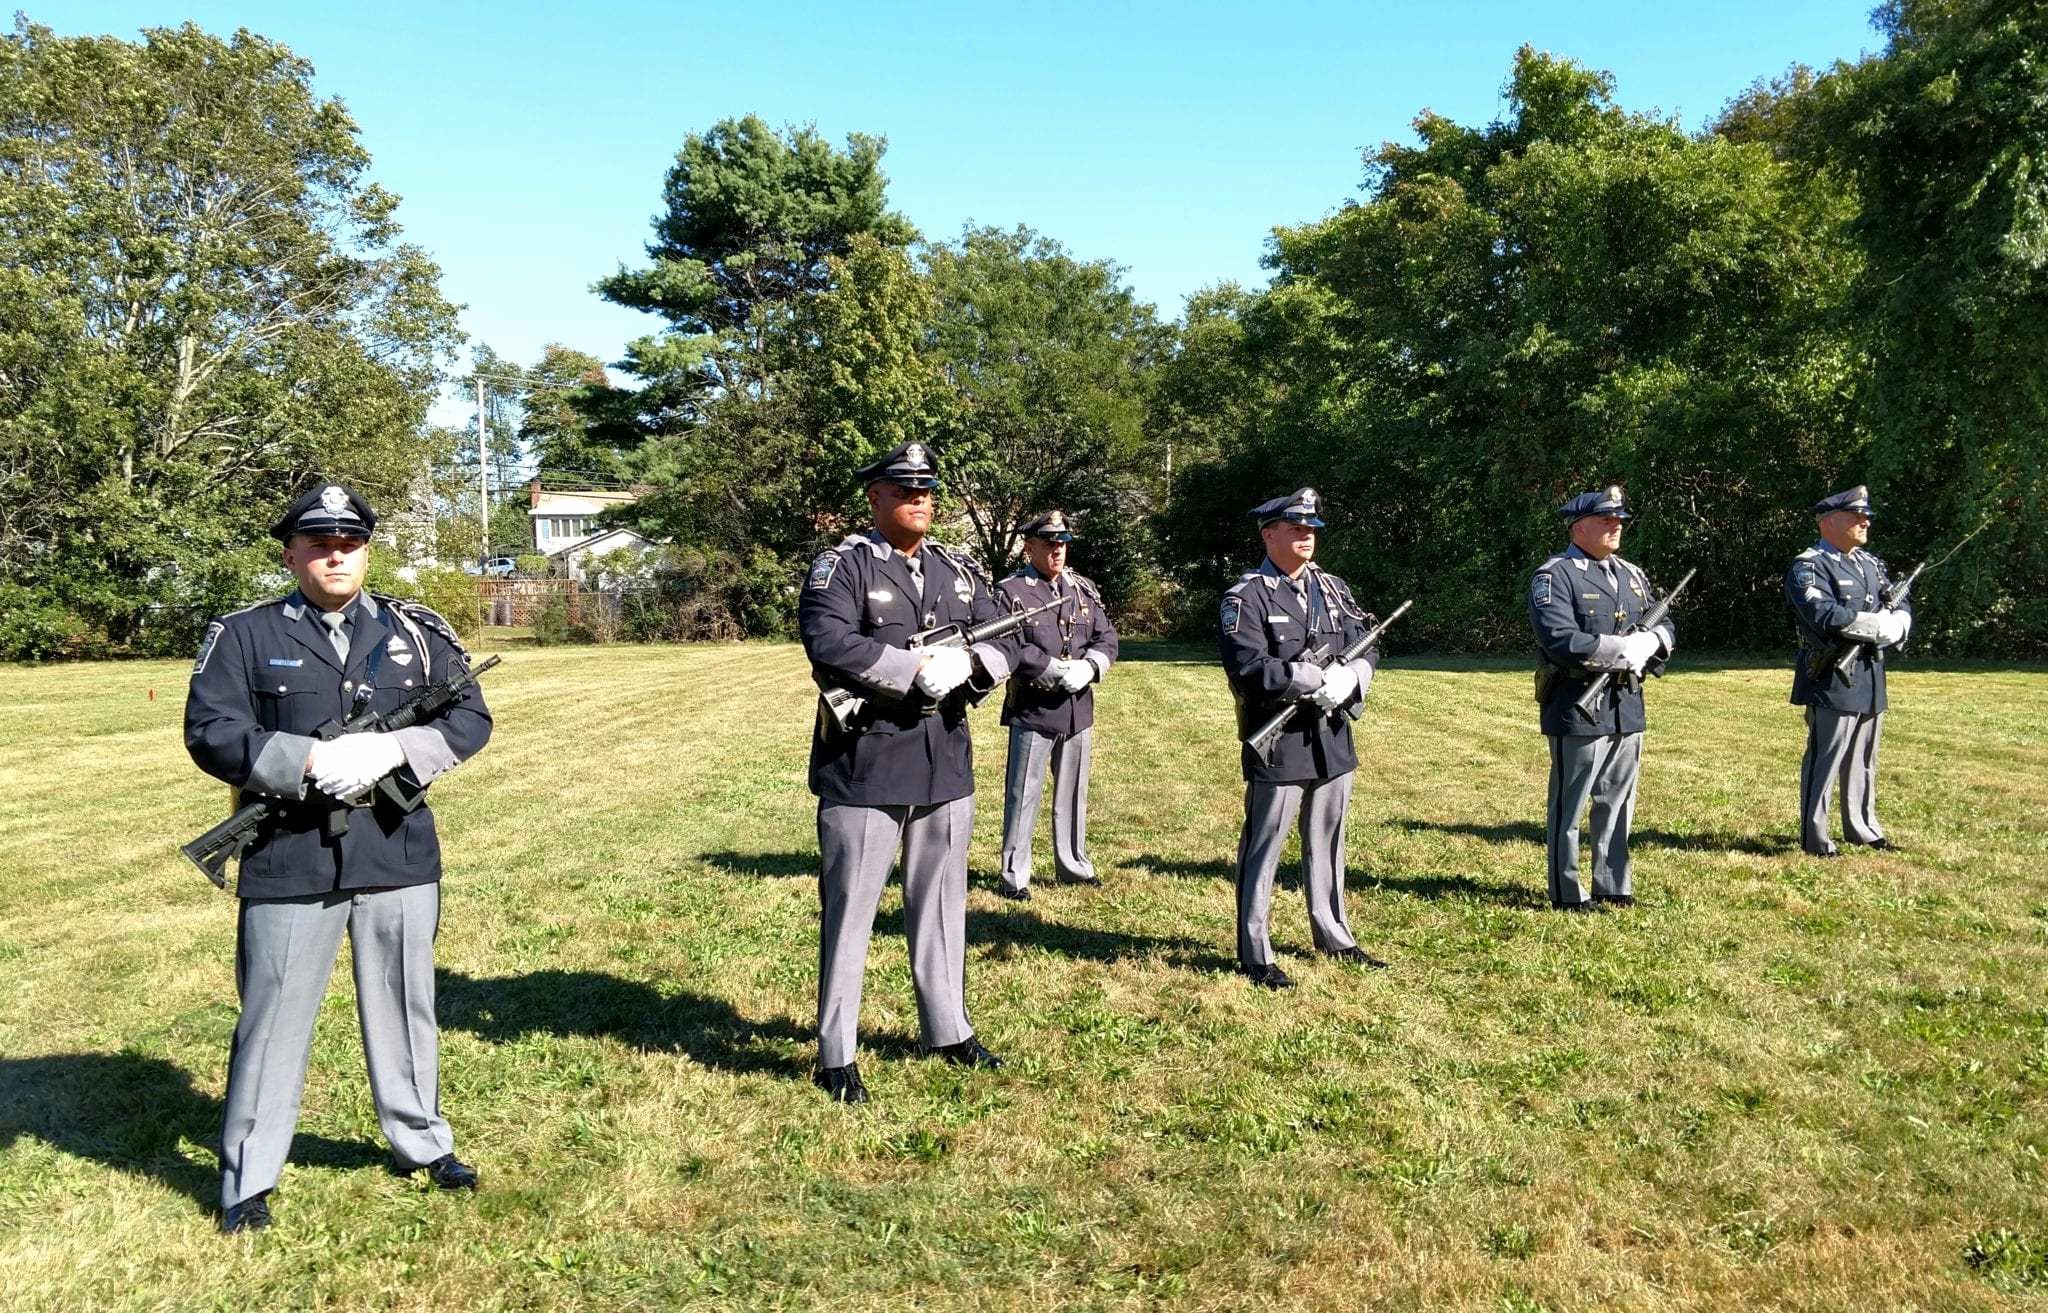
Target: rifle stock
[[842, 706]]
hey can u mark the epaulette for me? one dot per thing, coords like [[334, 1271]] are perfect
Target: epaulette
[[878, 548], [1249, 576], [1810, 554], [1086, 585], [961, 558], [1545, 568], [427, 618]]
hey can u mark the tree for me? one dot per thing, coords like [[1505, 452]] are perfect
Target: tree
[[556, 426], [1049, 360], [203, 303], [1944, 138]]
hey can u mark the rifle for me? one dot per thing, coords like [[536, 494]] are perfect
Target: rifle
[[1839, 659], [843, 705], [210, 851], [1651, 619], [1262, 739]]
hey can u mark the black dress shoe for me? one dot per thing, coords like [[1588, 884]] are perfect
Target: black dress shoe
[[1615, 900], [1882, 846], [1267, 975], [842, 1083], [1014, 895], [451, 1173], [1093, 881], [1356, 957], [1585, 908], [967, 1053], [1832, 852], [251, 1214]]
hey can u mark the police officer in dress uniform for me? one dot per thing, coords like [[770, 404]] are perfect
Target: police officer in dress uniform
[[266, 679], [1270, 617], [901, 779], [1052, 717], [1836, 590], [1582, 603]]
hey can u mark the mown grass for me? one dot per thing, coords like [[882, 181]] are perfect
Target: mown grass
[[1778, 1083]]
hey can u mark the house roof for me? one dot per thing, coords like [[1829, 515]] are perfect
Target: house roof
[[581, 501], [586, 543]]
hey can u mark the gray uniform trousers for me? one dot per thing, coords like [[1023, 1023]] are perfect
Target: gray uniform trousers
[[1604, 768], [283, 958], [1268, 810], [1839, 745], [858, 845], [1070, 756]]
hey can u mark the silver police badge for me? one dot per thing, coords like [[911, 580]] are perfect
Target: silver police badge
[[1308, 499], [333, 500], [914, 453]]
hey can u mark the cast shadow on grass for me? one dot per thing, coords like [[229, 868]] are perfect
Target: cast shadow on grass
[[1530, 832], [1420, 885], [1014, 928], [129, 1112], [762, 866], [709, 1031]]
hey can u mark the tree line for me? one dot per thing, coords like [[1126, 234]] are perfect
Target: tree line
[[1842, 279]]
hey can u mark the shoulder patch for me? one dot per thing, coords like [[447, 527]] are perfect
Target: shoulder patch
[[1233, 611], [426, 617], [822, 570], [1539, 588], [206, 646]]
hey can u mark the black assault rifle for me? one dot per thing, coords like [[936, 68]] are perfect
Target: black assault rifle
[[1261, 740], [844, 705], [1837, 660], [1589, 700], [210, 851]]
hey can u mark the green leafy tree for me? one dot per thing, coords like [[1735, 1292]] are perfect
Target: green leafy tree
[[1944, 138], [203, 303], [1049, 360]]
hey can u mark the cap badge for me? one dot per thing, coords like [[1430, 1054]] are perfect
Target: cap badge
[[1308, 499], [1614, 492], [333, 500], [914, 453]]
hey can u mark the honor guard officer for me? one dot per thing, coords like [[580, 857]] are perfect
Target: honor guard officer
[[1582, 603], [1270, 618], [1052, 717], [901, 776], [1836, 589], [354, 848]]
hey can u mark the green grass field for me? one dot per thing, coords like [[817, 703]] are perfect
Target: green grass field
[[1778, 1083]]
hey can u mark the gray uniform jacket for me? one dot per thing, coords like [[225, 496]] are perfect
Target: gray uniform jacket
[[858, 611], [1578, 616], [1262, 633], [1079, 631], [1826, 589], [267, 679]]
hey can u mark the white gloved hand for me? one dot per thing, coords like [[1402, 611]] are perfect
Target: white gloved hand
[[351, 765], [1639, 650], [1895, 626], [1075, 676], [1053, 675], [944, 669], [1340, 681]]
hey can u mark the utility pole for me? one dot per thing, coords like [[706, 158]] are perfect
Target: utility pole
[[483, 482]]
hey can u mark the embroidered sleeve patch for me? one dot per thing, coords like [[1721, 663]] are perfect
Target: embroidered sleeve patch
[[1539, 588], [1233, 609], [206, 646], [821, 570]]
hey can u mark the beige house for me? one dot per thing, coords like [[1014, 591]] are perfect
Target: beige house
[[559, 519]]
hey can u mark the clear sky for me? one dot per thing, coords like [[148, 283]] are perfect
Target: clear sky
[[529, 142]]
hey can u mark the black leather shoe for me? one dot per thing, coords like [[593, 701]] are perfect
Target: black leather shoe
[[1014, 895], [1882, 846], [1092, 881], [841, 1083], [451, 1173], [1832, 852], [1266, 976], [1355, 956], [1586, 908], [967, 1053], [252, 1214], [1615, 900]]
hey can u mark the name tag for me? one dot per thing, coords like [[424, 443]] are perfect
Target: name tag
[[280, 661], [1280, 619]]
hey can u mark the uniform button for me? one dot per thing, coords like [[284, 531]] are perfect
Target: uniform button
[[408, 683], [348, 686], [281, 688]]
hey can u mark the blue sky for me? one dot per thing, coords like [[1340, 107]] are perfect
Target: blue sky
[[529, 142]]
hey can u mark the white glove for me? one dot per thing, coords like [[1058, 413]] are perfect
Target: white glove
[[944, 669], [1340, 681], [349, 766], [1895, 625], [1075, 675], [1639, 650], [1053, 676]]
